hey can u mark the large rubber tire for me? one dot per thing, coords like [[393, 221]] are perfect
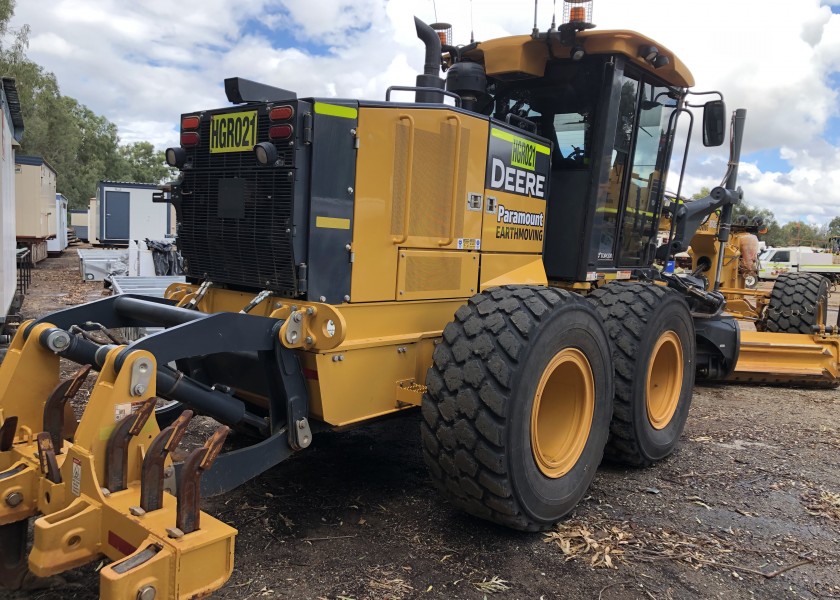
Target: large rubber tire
[[654, 347], [798, 301], [507, 435]]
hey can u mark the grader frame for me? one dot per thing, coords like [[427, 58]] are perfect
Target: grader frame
[[472, 273]]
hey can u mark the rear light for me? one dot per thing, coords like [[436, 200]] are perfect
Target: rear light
[[189, 123], [266, 153], [176, 157], [280, 132], [281, 113], [189, 138]]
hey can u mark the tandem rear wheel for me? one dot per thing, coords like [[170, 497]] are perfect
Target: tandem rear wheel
[[653, 345], [518, 405]]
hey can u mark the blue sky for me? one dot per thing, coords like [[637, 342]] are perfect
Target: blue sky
[[142, 64]]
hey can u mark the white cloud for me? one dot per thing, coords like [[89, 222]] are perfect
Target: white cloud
[[142, 64]]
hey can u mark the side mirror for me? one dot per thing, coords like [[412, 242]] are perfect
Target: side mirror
[[714, 123]]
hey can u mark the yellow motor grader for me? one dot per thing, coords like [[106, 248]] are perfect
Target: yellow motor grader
[[485, 253]]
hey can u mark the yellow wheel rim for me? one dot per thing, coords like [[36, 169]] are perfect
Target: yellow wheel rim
[[664, 379], [562, 414]]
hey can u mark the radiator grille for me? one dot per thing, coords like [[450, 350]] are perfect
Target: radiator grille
[[255, 250]]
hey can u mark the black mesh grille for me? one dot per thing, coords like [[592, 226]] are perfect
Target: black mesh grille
[[254, 251]]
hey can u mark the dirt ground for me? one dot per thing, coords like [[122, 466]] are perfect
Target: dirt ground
[[748, 507]]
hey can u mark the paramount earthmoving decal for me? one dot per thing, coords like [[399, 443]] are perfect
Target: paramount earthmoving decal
[[517, 177]]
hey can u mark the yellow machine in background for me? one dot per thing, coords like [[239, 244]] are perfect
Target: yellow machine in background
[[491, 261]]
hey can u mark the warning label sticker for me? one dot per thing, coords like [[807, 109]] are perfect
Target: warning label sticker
[[76, 484], [469, 243]]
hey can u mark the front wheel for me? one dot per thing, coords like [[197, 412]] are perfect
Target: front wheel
[[798, 302], [518, 405], [654, 349]]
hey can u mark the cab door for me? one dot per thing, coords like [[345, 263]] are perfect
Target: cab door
[[640, 156]]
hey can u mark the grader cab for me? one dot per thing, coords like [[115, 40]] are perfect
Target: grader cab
[[490, 261]]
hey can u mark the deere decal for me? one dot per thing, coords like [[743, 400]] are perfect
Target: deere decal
[[517, 165]]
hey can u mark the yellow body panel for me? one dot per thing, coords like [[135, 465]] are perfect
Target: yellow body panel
[[430, 274], [386, 345], [413, 190], [503, 269]]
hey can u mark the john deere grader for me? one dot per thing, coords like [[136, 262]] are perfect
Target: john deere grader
[[486, 253]]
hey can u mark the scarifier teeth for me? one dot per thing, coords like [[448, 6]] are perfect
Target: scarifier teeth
[[46, 456], [189, 484], [54, 408], [152, 474], [7, 433], [116, 453]]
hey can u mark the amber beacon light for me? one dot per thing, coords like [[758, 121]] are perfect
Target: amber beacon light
[[577, 11]]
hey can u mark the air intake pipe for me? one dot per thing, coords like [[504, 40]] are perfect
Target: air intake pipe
[[431, 69]]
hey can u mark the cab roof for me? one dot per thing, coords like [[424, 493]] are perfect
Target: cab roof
[[522, 56]]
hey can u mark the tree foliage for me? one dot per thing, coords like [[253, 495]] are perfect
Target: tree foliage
[[82, 147]]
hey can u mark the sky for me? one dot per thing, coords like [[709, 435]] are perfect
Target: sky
[[142, 64]]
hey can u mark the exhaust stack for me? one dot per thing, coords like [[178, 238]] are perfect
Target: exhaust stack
[[431, 68]]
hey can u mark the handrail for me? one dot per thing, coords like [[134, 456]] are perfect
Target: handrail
[[455, 179], [412, 88], [407, 214]]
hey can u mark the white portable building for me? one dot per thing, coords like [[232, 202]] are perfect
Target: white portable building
[[58, 244], [11, 130], [127, 213]]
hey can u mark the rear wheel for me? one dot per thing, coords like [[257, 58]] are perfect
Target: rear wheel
[[798, 302], [517, 410], [653, 345]]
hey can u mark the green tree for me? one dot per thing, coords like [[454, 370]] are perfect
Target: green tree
[[82, 146], [142, 164], [834, 227]]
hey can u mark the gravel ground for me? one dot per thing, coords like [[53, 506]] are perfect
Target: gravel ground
[[748, 507]]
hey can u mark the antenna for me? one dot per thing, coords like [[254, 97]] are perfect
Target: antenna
[[536, 29], [472, 24], [434, 6], [553, 15]]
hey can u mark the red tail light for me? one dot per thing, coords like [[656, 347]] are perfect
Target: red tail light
[[189, 138], [280, 132], [189, 123], [281, 113]]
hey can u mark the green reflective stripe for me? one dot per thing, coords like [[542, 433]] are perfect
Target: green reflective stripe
[[631, 211], [334, 110], [509, 137]]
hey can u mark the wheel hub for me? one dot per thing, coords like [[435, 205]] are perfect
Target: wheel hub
[[561, 418], [664, 379]]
